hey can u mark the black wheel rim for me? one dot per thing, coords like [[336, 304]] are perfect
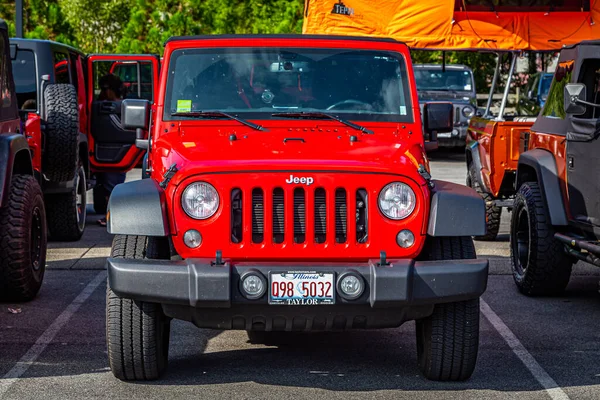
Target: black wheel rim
[[36, 239], [81, 199], [521, 242]]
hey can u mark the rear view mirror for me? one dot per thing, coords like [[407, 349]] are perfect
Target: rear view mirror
[[135, 114], [574, 95], [438, 117]]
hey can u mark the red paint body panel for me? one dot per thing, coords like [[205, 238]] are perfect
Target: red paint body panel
[[499, 147], [134, 155], [202, 150], [33, 132], [556, 144]]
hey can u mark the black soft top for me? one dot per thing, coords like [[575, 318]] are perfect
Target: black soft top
[[37, 45]]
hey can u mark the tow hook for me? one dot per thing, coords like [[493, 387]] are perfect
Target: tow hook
[[218, 259], [168, 175], [383, 259]]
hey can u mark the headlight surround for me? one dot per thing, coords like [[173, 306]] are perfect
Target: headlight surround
[[468, 111], [397, 200], [200, 200]]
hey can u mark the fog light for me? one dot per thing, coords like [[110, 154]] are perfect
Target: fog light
[[192, 238], [253, 285], [405, 238], [350, 286]]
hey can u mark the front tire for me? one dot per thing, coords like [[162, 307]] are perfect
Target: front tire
[[539, 263], [137, 332], [492, 212], [448, 340], [22, 240], [67, 211]]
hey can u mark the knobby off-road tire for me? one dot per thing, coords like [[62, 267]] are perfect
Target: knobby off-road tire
[[492, 212], [22, 240], [539, 262], [100, 203], [67, 211], [137, 332], [61, 150], [448, 340]]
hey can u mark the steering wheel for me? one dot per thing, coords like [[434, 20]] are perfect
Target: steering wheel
[[352, 102]]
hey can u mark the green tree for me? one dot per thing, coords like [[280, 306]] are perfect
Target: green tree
[[97, 24], [152, 22], [42, 19]]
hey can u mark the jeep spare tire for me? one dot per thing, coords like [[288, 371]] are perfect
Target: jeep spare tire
[[62, 132]]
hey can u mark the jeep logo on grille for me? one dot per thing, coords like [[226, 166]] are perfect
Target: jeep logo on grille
[[303, 180]]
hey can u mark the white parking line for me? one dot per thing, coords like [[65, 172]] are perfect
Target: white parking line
[[552, 388], [34, 352]]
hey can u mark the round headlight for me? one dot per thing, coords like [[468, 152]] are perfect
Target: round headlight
[[468, 111], [200, 200], [397, 200]]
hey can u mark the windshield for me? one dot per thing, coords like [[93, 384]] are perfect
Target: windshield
[[24, 74], [256, 83], [545, 86], [436, 79]]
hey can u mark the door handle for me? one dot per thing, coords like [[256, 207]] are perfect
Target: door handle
[[108, 108]]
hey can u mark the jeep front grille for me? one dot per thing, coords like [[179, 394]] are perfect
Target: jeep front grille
[[300, 215]]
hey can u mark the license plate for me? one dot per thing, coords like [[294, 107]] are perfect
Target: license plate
[[301, 288]]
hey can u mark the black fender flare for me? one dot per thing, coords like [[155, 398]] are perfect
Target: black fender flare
[[138, 208], [13, 148], [544, 165], [472, 153], [456, 210]]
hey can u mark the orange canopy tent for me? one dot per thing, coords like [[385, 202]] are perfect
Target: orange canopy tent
[[536, 25]]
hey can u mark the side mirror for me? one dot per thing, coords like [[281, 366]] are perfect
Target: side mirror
[[574, 93], [13, 51], [135, 114], [438, 117]]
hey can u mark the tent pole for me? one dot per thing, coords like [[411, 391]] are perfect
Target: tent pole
[[513, 61], [443, 61], [19, 18], [493, 88]]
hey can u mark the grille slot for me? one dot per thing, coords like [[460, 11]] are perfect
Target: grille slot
[[278, 215], [236, 216], [362, 204], [320, 216], [340, 216], [258, 216], [299, 216]]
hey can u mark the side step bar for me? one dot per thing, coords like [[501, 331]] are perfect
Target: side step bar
[[581, 249]]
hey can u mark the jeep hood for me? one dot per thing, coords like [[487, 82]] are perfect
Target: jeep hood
[[386, 151]]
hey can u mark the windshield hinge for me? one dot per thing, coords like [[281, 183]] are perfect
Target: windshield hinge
[[168, 175]]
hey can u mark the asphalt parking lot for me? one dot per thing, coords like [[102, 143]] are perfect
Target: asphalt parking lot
[[531, 348]]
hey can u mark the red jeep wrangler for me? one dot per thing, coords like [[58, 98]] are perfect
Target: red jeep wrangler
[[77, 151], [22, 211], [289, 191]]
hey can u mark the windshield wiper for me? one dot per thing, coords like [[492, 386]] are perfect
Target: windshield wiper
[[218, 114], [311, 114]]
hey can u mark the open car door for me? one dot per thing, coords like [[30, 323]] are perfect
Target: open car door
[[112, 148]]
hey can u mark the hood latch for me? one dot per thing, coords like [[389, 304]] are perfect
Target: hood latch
[[168, 175]]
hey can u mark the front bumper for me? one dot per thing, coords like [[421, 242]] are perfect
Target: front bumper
[[209, 295], [456, 137]]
